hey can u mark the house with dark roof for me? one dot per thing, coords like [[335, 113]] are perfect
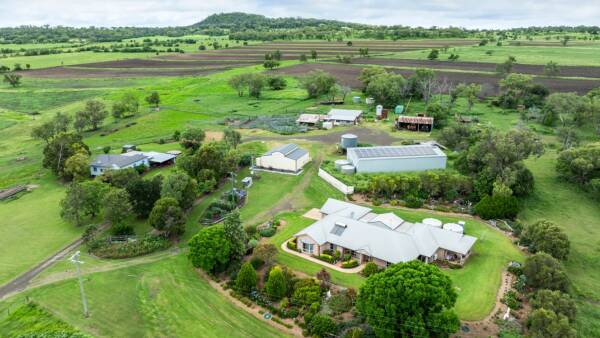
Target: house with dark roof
[[380, 238], [116, 162], [288, 158], [396, 158]]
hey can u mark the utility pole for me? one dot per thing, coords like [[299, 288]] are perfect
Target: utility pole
[[75, 260]]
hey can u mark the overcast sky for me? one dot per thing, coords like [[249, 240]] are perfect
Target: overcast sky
[[462, 13]]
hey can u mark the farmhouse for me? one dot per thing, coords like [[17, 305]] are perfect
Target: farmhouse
[[396, 158], [343, 116], [287, 158], [415, 123], [116, 162], [154, 158], [381, 238]]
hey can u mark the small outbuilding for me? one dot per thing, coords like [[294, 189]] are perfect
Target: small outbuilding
[[344, 116], [415, 123], [396, 158], [310, 120], [116, 162], [288, 158]]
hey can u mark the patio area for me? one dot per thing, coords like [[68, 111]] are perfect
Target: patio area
[[337, 267]]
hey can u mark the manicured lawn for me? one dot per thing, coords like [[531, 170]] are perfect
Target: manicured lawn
[[162, 299], [579, 215], [31, 319], [32, 229], [476, 284]]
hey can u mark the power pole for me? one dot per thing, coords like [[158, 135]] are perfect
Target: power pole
[[75, 260]]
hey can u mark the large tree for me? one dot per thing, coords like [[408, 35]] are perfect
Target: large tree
[[559, 302], [235, 235], [545, 323], [547, 237], [77, 167], [266, 252], [545, 272], [91, 116], [580, 165], [210, 249], [181, 187], [386, 89], [192, 138], [49, 129], [143, 194], [60, 148], [232, 137], [167, 216], [116, 206], [317, 83], [153, 99], [127, 105], [409, 299], [13, 79], [367, 75], [81, 200]]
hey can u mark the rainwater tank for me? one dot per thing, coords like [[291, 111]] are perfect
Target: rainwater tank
[[349, 141]]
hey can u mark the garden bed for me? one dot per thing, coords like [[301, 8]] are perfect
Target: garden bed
[[127, 249]]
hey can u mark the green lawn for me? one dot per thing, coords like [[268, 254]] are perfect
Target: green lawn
[[579, 215], [161, 299], [31, 319], [586, 55], [32, 229]]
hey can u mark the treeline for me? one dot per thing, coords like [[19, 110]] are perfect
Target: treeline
[[58, 34]]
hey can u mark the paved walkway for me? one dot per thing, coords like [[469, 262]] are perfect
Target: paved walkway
[[318, 261]]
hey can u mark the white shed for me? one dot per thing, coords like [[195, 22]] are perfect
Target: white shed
[[287, 158], [396, 158]]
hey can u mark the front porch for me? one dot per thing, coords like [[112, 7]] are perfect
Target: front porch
[[311, 257]]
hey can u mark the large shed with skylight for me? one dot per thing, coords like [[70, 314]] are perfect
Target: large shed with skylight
[[396, 158]]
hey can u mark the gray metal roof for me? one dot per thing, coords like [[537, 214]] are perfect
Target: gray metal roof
[[381, 236], [396, 151], [118, 161], [344, 114], [289, 150]]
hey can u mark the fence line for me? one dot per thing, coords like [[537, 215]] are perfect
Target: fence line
[[339, 185]]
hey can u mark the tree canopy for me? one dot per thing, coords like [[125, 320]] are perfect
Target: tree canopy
[[547, 237], [409, 299], [209, 249]]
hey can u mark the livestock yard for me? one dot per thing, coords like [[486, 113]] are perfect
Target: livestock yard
[[217, 104]]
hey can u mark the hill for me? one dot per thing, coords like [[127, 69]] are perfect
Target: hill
[[238, 20]]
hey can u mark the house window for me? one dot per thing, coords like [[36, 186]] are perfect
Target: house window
[[307, 247]]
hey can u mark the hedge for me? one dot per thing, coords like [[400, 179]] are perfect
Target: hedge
[[326, 258], [292, 245], [350, 264], [146, 245], [267, 232]]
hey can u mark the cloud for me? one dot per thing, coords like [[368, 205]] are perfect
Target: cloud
[[460, 13]]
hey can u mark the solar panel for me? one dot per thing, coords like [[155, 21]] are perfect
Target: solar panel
[[406, 151]]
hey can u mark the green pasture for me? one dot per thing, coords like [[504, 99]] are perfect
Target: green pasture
[[162, 299], [578, 55]]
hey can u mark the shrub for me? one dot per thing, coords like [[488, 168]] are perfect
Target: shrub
[[340, 302], [350, 264], [370, 269], [122, 230], [413, 202], [545, 272], [560, 303], [326, 258], [547, 237], [245, 281], [276, 286], [322, 326], [347, 257], [307, 292], [497, 207], [292, 245], [511, 299], [257, 262], [267, 232], [146, 245]]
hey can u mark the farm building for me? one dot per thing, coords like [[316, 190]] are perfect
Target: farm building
[[117, 162], [154, 158], [380, 238], [415, 123], [396, 158], [310, 120], [287, 158], [343, 116]]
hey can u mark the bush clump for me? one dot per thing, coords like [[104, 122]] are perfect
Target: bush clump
[[146, 245]]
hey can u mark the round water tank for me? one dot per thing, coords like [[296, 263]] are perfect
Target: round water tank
[[379, 110], [356, 99], [347, 169], [349, 141], [340, 163], [453, 227], [432, 222]]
